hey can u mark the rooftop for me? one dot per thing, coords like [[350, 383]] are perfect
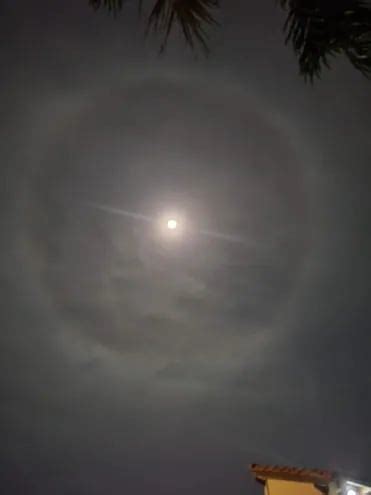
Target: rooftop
[[318, 476]]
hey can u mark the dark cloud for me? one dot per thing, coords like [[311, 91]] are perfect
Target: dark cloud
[[131, 363]]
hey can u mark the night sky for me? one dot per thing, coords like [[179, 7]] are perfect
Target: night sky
[[132, 362]]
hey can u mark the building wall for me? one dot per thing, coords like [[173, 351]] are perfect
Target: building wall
[[282, 487]]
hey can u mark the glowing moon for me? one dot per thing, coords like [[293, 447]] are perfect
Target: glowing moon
[[172, 224]]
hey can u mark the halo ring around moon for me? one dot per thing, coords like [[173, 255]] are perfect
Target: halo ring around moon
[[92, 129]]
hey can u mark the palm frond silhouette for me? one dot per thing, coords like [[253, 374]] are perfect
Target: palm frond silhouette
[[193, 17], [318, 30]]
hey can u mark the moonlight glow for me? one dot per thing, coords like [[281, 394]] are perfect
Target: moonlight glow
[[172, 224]]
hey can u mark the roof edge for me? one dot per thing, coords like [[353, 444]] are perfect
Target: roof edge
[[318, 476]]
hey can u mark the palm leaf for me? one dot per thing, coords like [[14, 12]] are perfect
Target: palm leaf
[[192, 16], [318, 30], [111, 5], [321, 29]]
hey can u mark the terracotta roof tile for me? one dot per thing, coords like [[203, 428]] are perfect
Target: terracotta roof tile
[[292, 473]]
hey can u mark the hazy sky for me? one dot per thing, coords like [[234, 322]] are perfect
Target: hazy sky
[[132, 362]]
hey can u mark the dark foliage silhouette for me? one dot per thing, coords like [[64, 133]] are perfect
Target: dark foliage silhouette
[[318, 30]]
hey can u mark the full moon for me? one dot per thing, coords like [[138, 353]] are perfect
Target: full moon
[[172, 224]]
